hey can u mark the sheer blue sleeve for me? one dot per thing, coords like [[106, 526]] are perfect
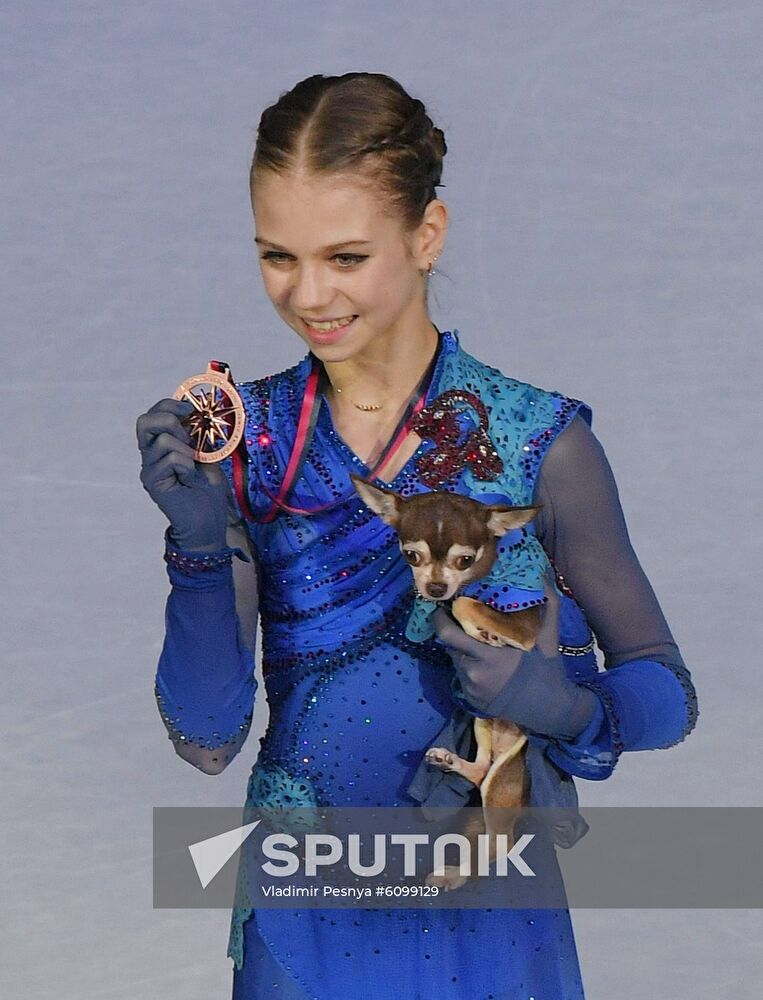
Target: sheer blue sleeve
[[647, 699], [205, 682]]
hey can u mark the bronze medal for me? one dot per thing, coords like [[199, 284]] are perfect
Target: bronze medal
[[216, 424]]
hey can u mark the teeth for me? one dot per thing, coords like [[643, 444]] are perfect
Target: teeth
[[333, 324]]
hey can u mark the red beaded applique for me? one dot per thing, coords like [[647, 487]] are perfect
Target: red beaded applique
[[455, 449]]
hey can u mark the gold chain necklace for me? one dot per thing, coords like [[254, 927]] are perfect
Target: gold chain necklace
[[365, 407]]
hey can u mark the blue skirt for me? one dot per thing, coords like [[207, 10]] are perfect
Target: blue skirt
[[409, 955]]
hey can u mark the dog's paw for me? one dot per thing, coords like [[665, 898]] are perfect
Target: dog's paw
[[491, 638], [451, 879], [496, 628], [442, 758], [470, 616], [486, 635]]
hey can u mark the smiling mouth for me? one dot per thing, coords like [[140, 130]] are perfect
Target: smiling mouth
[[326, 326]]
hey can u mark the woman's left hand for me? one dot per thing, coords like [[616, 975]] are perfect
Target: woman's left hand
[[529, 688]]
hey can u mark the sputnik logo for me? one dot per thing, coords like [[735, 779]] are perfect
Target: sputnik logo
[[210, 855]]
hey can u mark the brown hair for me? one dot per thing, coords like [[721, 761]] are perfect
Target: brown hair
[[358, 120]]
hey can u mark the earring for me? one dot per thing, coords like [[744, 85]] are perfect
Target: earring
[[430, 269]]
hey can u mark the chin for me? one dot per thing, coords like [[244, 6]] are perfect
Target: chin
[[331, 352], [353, 347]]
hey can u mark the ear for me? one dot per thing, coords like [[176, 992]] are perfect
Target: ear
[[502, 518], [383, 502]]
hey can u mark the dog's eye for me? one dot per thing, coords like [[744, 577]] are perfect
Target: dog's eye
[[464, 562], [412, 556]]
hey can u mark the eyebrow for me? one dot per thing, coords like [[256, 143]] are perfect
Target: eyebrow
[[334, 246]]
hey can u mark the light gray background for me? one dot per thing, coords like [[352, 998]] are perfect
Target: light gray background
[[604, 181]]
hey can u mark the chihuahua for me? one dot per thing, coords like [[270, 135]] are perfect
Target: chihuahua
[[450, 540]]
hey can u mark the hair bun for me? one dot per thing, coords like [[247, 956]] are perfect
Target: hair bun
[[419, 120]]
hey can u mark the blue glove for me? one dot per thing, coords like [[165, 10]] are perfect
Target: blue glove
[[531, 688], [193, 496]]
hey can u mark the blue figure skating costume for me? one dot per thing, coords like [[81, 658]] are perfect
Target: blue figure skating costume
[[358, 688]]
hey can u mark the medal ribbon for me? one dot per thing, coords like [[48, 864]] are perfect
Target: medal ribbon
[[306, 424]]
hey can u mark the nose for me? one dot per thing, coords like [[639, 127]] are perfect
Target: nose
[[310, 290], [436, 590]]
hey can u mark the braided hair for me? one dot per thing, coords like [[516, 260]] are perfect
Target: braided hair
[[363, 121]]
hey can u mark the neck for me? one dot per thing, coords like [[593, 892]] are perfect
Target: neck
[[387, 369]]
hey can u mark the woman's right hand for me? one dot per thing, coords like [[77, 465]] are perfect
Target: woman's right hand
[[192, 495]]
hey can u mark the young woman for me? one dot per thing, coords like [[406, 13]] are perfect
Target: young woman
[[348, 227]]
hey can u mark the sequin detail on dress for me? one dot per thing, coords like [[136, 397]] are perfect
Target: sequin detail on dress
[[458, 441], [494, 443]]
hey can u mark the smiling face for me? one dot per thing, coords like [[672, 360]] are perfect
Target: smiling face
[[343, 274]]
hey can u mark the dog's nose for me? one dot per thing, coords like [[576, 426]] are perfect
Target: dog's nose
[[436, 590]]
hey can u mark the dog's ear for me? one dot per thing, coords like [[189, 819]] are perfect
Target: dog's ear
[[383, 502], [502, 518]]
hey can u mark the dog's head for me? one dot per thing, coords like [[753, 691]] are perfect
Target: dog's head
[[448, 540]]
